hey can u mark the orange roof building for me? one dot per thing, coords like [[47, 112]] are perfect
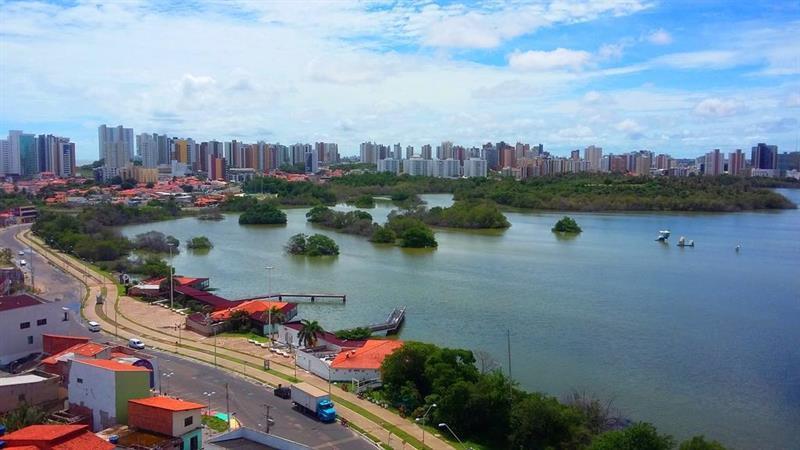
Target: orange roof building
[[368, 357], [168, 416], [55, 437]]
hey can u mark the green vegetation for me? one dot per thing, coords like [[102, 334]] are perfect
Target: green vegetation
[[156, 241], [383, 235], [353, 222], [215, 423], [355, 334], [6, 258], [700, 443], [88, 239], [294, 193], [13, 199], [249, 334], [365, 201], [199, 243], [152, 267], [22, 416], [314, 245], [566, 225], [418, 375], [412, 232], [262, 214], [309, 333], [463, 214]]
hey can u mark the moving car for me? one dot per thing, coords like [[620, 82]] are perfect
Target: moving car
[[94, 326], [22, 262], [21, 253], [135, 343]]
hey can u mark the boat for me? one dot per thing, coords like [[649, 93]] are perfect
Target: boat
[[738, 247], [663, 235], [682, 242]]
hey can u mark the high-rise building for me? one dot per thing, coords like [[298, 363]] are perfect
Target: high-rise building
[[475, 167], [217, 169], [663, 162], [427, 152], [409, 151], [327, 152], [10, 160], [593, 154], [116, 145], [714, 163], [5, 149], [311, 162], [575, 155], [491, 156], [28, 154], [764, 156], [66, 166], [736, 162], [147, 149], [445, 151], [369, 153], [389, 165]]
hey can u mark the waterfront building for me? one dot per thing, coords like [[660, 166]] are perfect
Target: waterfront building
[[765, 158], [475, 167], [714, 163], [115, 145], [389, 165], [736, 162]]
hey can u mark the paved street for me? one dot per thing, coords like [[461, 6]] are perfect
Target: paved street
[[55, 282]]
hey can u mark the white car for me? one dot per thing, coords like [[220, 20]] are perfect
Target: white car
[[135, 343], [22, 262], [94, 326], [21, 253]]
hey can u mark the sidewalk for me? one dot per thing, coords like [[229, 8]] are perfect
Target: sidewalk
[[373, 419]]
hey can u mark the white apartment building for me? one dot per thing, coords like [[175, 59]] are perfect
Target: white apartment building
[[389, 165], [594, 155], [475, 167], [147, 149], [24, 318]]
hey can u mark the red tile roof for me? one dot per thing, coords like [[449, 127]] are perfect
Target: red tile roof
[[56, 437], [9, 302], [329, 337], [113, 365], [370, 356], [167, 403], [253, 308], [57, 343]]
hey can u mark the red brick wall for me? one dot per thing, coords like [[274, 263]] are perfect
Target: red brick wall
[[150, 419]]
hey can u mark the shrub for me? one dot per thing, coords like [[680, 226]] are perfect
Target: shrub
[[262, 214], [566, 225]]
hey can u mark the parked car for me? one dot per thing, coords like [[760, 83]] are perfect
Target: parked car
[[283, 392], [135, 343], [94, 326]]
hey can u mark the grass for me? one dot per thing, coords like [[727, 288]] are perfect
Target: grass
[[368, 435], [411, 440], [215, 423], [243, 335]]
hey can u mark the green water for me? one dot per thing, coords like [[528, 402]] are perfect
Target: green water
[[696, 340]]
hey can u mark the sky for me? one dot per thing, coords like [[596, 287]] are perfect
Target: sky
[[678, 76]]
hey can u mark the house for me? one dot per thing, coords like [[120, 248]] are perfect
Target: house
[[24, 318], [288, 333], [35, 388], [363, 363], [55, 437], [169, 417], [257, 310], [100, 389]]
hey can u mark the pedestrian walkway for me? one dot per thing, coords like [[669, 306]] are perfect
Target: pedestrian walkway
[[374, 420]]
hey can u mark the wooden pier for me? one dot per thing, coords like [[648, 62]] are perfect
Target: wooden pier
[[312, 297]]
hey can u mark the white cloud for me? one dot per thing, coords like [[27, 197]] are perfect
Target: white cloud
[[628, 126], [659, 37], [576, 132], [611, 51], [560, 58], [712, 59], [717, 107], [793, 100]]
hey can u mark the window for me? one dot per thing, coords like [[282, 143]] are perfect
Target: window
[[188, 421], [24, 325], [30, 340], [80, 380], [41, 322]]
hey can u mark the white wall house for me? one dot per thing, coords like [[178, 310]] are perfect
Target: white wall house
[[23, 320]]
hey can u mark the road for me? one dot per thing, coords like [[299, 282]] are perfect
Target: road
[[190, 379], [55, 282]]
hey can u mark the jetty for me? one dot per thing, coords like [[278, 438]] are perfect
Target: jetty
[[312, 297], [393, 321]]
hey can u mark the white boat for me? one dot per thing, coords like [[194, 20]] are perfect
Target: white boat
[[663, 235], [682, 242]]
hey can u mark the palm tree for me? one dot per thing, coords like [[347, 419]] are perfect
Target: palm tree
[[308, 334]]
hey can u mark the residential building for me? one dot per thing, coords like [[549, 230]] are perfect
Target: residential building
[[491, 156], [416, 166], [663, 162], [714, 163], [362, 363], [34, 388], [764, 156], [169, 417], [55, 437], [409, 151], [389, 165], [147, 148], [475, 167], [736, 162], [24, 318], [217, 168], [448, 168], [10, 160], [311, 162], [444, 151], [575, 155], [298, 152], [180, 150], [426, 152], [100, 389], [5, 150], [369, 153], [593, 154], [116, 145]]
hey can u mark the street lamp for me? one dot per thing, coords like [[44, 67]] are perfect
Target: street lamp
[[167, 376], [425, 416], [269, 293], [444, 425], [209, 394], [171, 276]]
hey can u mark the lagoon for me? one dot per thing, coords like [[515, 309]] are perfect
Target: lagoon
[[699, 340]]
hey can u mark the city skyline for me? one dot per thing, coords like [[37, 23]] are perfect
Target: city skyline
[[670, 77]]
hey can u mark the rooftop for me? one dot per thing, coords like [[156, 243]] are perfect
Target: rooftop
[[112, 365], [56, 437], [252, 308], [21, 379], [88, 349], [167, 403], [370, 356], [9, 302]]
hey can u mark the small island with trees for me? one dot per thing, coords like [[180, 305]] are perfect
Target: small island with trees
[[199, 243], [364, 201], [567, 225], [262, 214], [314, 245]]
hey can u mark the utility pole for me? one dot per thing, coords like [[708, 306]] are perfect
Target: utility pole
[[215, 349], [171, 276], [227, 406], [33, 272], [266, 417], [510, 384], [269, 293]]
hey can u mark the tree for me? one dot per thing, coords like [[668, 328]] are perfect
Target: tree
[[364, 201], [262, 214], [418, 237], [6, 257], [309, 333], [199, 242], [383, 235], [640, 436], [566, 225], [296, 244], [321, 245], [154, 241], [240, 321], [598, 415], [700, 443], [485, 362], [539, 421], [22, 416], [154, 267]]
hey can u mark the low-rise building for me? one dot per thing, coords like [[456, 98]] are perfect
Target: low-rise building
[[55, 437], [170, 417], [259, 312], [100, 389], [35, 388], [363, 363]]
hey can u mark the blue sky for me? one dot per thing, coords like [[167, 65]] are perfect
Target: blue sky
[[679, 77]]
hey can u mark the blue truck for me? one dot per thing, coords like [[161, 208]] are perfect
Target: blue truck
[[314, 400]]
